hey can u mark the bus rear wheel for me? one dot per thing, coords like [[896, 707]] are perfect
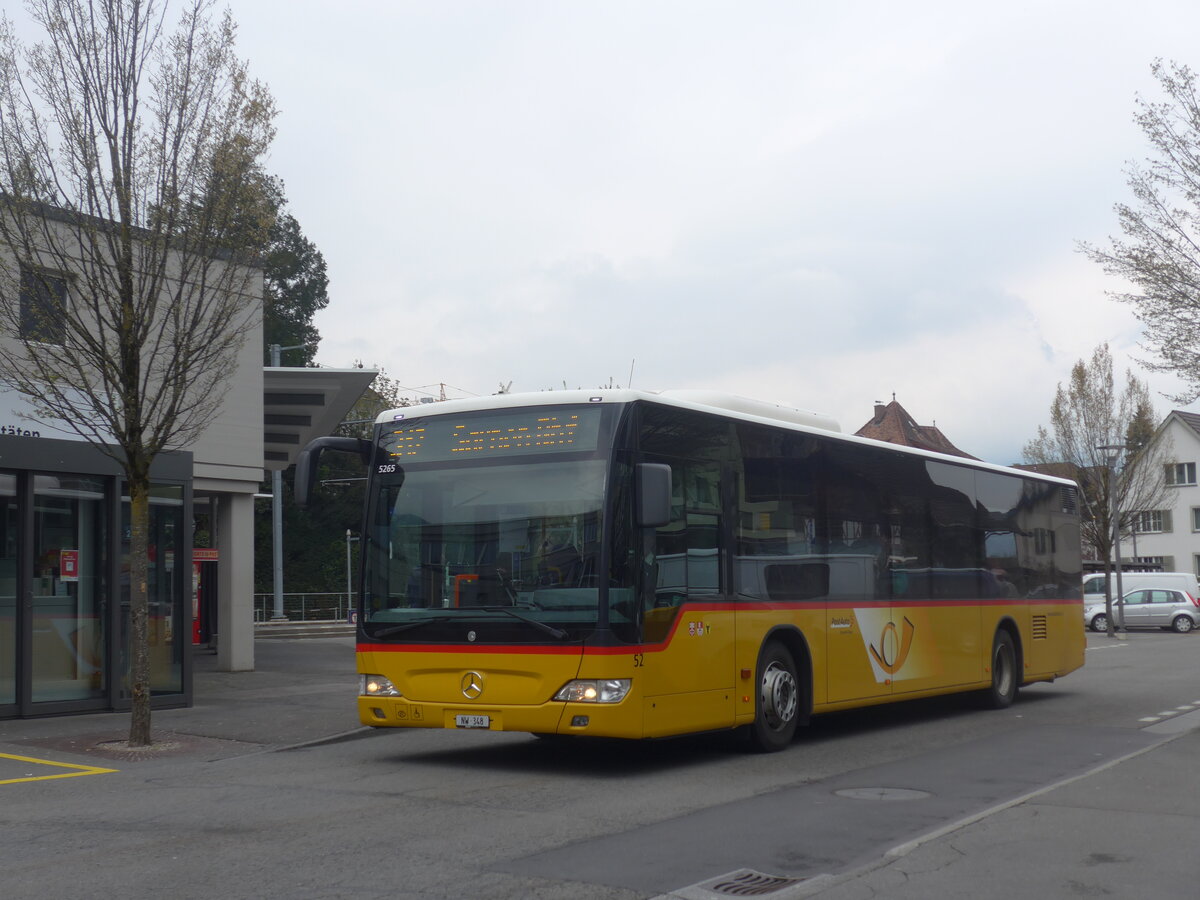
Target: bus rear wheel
[[778, 709], [1005, 679]]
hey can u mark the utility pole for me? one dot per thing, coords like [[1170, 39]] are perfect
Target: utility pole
[[1113, 453]]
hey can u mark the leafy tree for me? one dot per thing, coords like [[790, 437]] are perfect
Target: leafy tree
[[1160, 252], [1141, 428], [1088, 418], [295, 284], [129, 189]]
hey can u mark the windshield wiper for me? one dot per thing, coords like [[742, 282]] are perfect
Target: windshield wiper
[[396, 629], [556, 633]]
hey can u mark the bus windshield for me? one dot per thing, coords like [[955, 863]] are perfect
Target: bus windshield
[[516, 545]]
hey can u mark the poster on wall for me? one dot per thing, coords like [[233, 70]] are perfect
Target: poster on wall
[[68, 565]]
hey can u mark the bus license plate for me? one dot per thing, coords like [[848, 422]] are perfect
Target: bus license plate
[[472, 721]]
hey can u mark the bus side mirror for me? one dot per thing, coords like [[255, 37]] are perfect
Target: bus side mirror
[[653, 502], [310, 457]]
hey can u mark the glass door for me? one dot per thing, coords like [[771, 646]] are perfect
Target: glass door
[[164, 587], [9, 529], [68, 590]]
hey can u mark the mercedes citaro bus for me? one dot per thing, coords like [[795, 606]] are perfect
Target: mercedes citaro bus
[[638, 565]]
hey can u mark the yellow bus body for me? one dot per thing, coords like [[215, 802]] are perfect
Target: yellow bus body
[[701, 675]]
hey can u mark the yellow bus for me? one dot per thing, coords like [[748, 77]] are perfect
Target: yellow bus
[[640, 565]]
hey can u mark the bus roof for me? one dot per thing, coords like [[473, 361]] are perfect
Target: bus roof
[[731, 405]]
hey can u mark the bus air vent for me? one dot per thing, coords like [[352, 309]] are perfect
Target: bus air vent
[[1040, 628]]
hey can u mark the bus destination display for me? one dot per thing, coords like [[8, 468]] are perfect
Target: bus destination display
[[511, 433]]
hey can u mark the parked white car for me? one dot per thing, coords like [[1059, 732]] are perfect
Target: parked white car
[[1094, 583], [1148, 608]]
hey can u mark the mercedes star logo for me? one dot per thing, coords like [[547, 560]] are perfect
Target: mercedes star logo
[[472, 685]]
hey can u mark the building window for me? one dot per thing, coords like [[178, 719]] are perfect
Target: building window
[[1043, 541], [1196, 518], [1152, 521], [43, 305], [1180, 473]]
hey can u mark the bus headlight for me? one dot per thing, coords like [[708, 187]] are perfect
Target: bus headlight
[[376, 686], [609, 690]]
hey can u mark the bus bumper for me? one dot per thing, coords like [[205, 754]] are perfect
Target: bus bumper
[[622, 719]]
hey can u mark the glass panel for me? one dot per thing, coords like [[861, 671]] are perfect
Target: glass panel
[[1046, 564], [779, 556], [516, 545], [164, 586], [957, 569], [1009, 515], [68, 588], [857, 523], [8, 588]]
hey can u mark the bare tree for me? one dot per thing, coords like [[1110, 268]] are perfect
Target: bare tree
[[130, 194], [1160, 253], [1088, 419]]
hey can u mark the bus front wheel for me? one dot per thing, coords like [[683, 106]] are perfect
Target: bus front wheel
[[778, 709], [1005, 678]]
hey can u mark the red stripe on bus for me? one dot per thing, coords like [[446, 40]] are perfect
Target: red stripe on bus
[[694, 609]]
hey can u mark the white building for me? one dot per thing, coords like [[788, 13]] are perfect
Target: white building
[[1168, 538], [64, 542]]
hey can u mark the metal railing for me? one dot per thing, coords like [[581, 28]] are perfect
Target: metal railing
[[329, 607]]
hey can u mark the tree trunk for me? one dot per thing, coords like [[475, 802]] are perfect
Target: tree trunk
[[139, 609]]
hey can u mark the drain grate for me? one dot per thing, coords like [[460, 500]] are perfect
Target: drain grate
[[748, 883]]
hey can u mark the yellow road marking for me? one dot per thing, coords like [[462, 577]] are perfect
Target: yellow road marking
[[79, 770]]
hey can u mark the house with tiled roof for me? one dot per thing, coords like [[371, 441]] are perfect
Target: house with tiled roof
[[893, 424], [1168, 538]]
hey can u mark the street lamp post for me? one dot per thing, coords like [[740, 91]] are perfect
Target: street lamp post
[[1113, 452], [349, 576]]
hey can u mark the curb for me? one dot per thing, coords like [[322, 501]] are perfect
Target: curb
[[282, 630]]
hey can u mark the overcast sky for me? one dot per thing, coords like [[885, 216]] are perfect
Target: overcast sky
[[817, 204]]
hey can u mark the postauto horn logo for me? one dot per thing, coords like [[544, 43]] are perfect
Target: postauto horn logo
[[890, 646]]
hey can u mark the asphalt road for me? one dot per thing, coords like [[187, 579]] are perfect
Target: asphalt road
[[234, 811]]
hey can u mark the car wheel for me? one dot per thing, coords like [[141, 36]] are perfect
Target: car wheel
[[1100, 622], [1183, 624]]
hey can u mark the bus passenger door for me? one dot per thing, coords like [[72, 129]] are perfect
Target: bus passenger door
[[688, 622], [862, 640]]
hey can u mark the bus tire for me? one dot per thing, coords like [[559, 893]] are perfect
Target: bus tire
[[777, 711], [1005, 677]]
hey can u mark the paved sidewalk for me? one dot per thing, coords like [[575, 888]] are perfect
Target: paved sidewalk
[[1122, 830], [1112, 832], [302, 690]]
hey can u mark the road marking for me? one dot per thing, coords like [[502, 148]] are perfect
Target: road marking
[[75, 773], [1182, 712]]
